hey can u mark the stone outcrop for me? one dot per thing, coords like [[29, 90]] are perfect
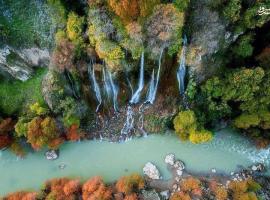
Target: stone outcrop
[[151, 171], [51, 155], [19, 63], [209, 35]]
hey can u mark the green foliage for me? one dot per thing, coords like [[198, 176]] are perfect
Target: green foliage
[[243, 47], [232, 10], [21, 127], [246, 121], [17, 95], [244, 91], [37, 109], [191, 89], [146, 7], [25, 23], [68, 107], [59, 36], [59, 12], [75, 28], [186, 126], [202, 136], [181, 4], [184, 122], [111, 52]]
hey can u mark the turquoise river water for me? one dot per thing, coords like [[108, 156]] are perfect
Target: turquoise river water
[[112, 160]]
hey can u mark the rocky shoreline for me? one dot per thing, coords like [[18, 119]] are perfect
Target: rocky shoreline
[[167, 188]]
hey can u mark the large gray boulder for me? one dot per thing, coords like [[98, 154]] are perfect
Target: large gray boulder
[[20, 63]]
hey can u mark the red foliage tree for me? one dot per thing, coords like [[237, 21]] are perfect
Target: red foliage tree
[[73, 134], [132, 196], [95, 189]]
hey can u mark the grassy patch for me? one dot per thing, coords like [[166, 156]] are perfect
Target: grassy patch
[[16, 95]]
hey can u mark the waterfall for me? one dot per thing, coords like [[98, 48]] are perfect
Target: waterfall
[[141, 119], [181, 72], [152, 91], [95, 84], [110, 87], [106, 81], [129, 124], [114, 91], [136, 96]]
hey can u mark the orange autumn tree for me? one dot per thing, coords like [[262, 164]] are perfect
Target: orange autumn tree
[[95, 189], [73, 133], [190, 184], [41, 132], [130, 184], [132, 196], [127, 10], [180, 196], [63, 189], [21, 196]]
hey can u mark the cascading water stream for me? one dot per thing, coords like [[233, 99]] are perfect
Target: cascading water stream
[[129, 124], [110, 87], [92, 76], [152, 91], [136, 96], [106, 83], [181, 72], [114, 91]]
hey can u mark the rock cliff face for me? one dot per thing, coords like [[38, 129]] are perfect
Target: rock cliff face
[[20, 63], [209, 35]]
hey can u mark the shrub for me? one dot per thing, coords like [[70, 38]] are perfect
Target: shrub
[[201, 136], [130, 184], [37, 109], [246, 121], [146, 7], [21, 127], [59, 13], [184, 122], [243, 47], [6, 126]]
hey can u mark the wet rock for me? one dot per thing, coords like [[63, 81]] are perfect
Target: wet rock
[[151, 171], [213, 170], [179, 172], [150, 195], [165, 194], [51, 155], [170, 159], [179, 165]]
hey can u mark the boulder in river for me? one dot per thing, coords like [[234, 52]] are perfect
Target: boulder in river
[[51, 155], [170, 159], [151, 171]]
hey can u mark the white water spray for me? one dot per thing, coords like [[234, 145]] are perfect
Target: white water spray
[[152, 91], [129, 124], [136, 96], [114, 91], [181, 72], [91, 73]]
